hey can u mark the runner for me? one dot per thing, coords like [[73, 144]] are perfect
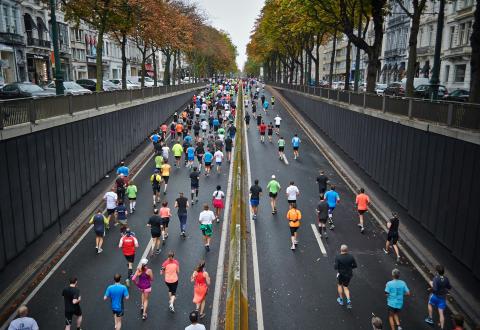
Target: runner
[[262, 129], [440, 285], [128, 244], [207, 158], [23, 322], [247, 119], [121, 184], [395, 290], [179, 131], [322, 181], [156, 181], [217, 202], [277, 120], [232, 130], [254, 110], [281, 148], [165, 176], [122, 169], [173, 125], [177, 150], [322, 215], [165, 153], [170, 269], [190, 156], [392, 236], [221, 133], [163, 129], [131, 193], [294, 216], [265, 107], [270, 132], [259, 120], [255, 193], [296, 144], [292, 193], [272, 101], [273, 188], [344, 265], [110, 198], [121, 214], [201, 281], [143, 278], [181, 204], [194, 184], [362, 201], [117, 292], [100, 222], [158, 162], [72, 298], [332, 198], [155, 224], [165, 215], [218, 159], [228, 148], [206, 218]]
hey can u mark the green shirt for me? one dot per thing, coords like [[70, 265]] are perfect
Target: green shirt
[[158, 161], [281, 143], [177, 150], [221, 131], [273, 186], [131, 191]]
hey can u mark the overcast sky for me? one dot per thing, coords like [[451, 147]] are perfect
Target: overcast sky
[[236, 17]]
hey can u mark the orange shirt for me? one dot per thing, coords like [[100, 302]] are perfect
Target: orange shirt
[[165, 212], [362, 202], [294, 216], [179, 128], [170, 268]]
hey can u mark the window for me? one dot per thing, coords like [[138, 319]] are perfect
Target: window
[[451, 37], [420, 37], [8, 20], [460, 72], [467, 3], [447, 72], [461, 34], [430, 35], [468, 31]]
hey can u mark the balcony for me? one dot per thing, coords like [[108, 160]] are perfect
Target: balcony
[[396, 52], [398, 18], [426, 50], [11, 38], [460, 52], [38, 42]]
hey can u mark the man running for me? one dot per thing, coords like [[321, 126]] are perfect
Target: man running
[[128, 243], [322, 181], [292, 193], [208, 158], [218, 159], [123, 169], [132, 195], [265, 107], [181, 204], [262, 129], [322, 214], [296, 145], [332, 198], [272, 101], [294, 216], [100, 222], [362, 201], [228, 147], [270, 132], [177, 150], [273, 188], [155, 224], [121, 214], [344, 265], [247, 119], [117, 292], [206, 219], [110, 198], [277, 121], [259, 120], [194, 184], [72, 298], [23, 322], [392, 237], [440, 286], [190, 156], [255, 193], [395, 290], [156, 182], [281, 148]]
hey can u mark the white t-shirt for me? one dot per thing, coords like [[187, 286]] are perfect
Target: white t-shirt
[[227, 113], [25, 323], [197, 111], [206, 217], [197, 326], [165, 151], [277, 120], [204, 125], [218, 156], [292, 192], [226, 106], [204, 106], [111, 199], [218, 194], [221, 137]]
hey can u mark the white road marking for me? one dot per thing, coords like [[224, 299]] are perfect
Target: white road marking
[[60, 262], [253, 236], [319, 240], [285, 160]]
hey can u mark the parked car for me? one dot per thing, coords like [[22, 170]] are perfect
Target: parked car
[[394, 89], [130, 84], [416, 82], [425, 91], [380, 88], [23, 89], [91, 84], [149, 82], [458, 95], [338, 85], [71, 88]]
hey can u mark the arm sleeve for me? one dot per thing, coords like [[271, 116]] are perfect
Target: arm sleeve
[[335, 264], [91, 220], [354, 263]]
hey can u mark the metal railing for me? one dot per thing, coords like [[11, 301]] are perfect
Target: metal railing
[[18, 111], [454, 114]]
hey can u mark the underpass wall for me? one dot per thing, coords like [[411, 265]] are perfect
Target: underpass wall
[[44, 173], [436, 178]]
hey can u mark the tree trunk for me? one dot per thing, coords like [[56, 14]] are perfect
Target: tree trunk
[[332, 58], [357, 55], [174, 70], [179, 60], [278, 74], [291, 69], [123, 45], [347, 66], [154, 60], [317, 60], [168, 59], [475, 59], [144, 59], [412, 53], [98, 60]]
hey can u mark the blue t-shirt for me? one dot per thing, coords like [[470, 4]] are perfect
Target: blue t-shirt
[[296, 141], [122, 212], [396, 290], [122, 170], [191, 152], [116, 293], [216, 122], [187, 139], [265, 104], [331, 196], [208, 157], [155, 138]]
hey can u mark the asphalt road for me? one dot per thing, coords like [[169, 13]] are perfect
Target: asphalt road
[[298, 289], [95, 272]]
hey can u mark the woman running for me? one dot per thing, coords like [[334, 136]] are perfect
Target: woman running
[[143, 278], [171, 268], [217, 202], [165, 214], [201, 281]]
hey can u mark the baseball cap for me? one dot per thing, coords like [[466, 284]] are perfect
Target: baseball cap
[[144, 261], [273, 176], [157, 170]]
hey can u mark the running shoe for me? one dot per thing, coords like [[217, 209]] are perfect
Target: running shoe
[[362, 230], [292, 247], [385, 251], [100, 250], [349, 304], [171, 308], [340, 301], [429, 320]]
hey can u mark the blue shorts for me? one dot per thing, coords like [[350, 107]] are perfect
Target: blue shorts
[[438, 302], [331, 209], [191, 158], [254, 202]]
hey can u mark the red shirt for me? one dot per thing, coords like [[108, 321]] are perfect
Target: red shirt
[[128, 245], [164, 128], [263, 128]]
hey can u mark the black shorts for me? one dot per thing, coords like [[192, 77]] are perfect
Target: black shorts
[[392, 237], [293, 230], [172, 287], [277, 126], [155, 234], [100, 233], [292, 201], [194, 186], [69, 315], [272, 195], [208, 164], [178, 157], [295, 148], [343, 280], [118, 313], [228, 149], [281, 149], [393, 310], [199, 158], [132, 199], [156, 189], [324, 221], [262, 133], [110, 211], [165, 178], [361, 211], [165, 222], [130, 258], [270, 133]]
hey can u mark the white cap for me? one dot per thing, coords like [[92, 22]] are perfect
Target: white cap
[[144, 261], [273, 176]]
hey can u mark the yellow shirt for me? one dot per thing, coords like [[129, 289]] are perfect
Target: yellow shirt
[[166, 169], [294, 216]]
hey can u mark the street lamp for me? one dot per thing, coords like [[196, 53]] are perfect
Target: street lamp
[[58, 70]]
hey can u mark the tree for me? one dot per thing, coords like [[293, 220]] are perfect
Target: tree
[[475, 59]]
